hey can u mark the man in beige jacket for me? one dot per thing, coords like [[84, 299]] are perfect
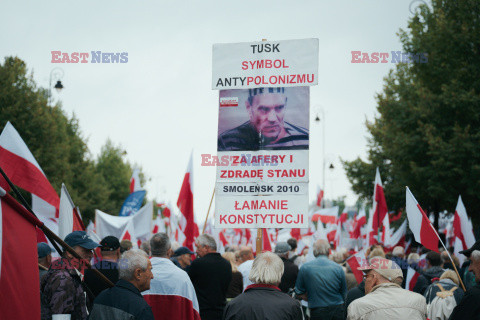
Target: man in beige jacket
[[384, 298]]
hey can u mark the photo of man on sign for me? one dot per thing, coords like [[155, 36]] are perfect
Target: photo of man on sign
[[262, 124]]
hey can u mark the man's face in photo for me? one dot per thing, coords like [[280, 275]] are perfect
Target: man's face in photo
[[267, 112]]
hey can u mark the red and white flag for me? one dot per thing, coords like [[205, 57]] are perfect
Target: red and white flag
[[319, 197], [19, 278], [359, 223], [356, 261], [135, 181], [411, 280], [24, 171], [69, 220], [327, 215], [462, 227], [171, 294], [141, 224], [185, 204], [267, 245], [398, 238], [419, 223], [379, 209]]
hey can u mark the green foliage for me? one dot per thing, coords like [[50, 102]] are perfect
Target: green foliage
[[427, 134], [58, 146]]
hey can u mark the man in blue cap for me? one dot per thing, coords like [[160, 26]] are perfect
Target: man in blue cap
[[182, 258], [62, 288], [44, 258]]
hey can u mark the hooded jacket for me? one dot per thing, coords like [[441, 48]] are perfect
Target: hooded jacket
[[425, 279]]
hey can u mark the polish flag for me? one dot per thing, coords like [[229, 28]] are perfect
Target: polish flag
[[135, 181], [386, 229], [398, 238], [361, 221], [267, 246], [379, 203], [69, 220], [185, 204], [19, 279], [327, 215], [356, 261], [462, 227], [24, 171], [419, 223], [411, 280], [319, 197], [128, 232]]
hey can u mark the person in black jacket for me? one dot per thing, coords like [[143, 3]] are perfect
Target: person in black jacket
[[354, 294], [108, 266], [469, 306], [434, 270], [263, 300], [124, 301], [211, 275], [290, 269]]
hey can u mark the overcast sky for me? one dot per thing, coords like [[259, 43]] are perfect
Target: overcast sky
[[160, 105]]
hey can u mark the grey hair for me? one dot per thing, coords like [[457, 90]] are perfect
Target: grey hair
[[160, 244], [267, 268], [321, 248], [132, 260], [207, 240], [475, 255], [398, 251]]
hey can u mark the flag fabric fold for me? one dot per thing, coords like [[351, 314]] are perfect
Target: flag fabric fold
[[419, 223], [19, 278], [185, 204], [24, 171]]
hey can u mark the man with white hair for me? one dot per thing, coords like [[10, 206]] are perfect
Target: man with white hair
[[124, 301], [469, 306], [263, 299], [322, 283], [384, 298], [171, 295], [211, 275]]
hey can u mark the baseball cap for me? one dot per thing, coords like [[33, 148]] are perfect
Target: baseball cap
[[82, 239], [386, 268], [110, 243], [468, 252], [282, 247], [181, 251], [43, 249]]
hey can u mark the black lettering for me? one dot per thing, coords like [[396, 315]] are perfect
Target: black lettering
[[219, 82], [253, 47], [275, 48]]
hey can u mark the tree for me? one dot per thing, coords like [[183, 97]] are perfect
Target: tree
[[116, 173], [427, 133], [57, 143]]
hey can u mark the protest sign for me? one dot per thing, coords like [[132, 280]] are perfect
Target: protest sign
[[287, 63]]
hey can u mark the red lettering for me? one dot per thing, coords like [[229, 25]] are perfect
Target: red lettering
[[223, 173], [223, 218], [244, 65]]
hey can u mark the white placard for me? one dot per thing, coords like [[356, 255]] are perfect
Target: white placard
[[285, 63]]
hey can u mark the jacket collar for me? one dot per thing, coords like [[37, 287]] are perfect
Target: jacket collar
[[385, 285], [262, 285], [127, 285], [160, 260]]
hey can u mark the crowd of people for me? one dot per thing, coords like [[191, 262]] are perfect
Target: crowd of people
[[160, 280]]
